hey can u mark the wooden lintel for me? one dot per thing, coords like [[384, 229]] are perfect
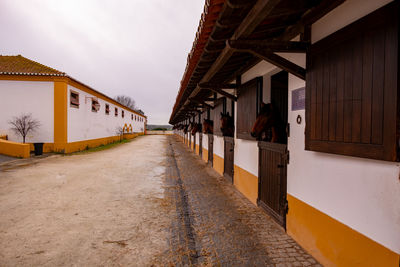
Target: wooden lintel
[[280, 62], [218, 85], [201, 102], [269, 56], [274, 46], [222, 92]]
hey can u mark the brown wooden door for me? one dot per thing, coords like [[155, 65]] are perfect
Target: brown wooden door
[[228, 157], [200, 144], [194, 143], [210, 148], [272, 180], [190, 139]]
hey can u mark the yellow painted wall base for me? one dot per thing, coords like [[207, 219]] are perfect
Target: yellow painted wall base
[[218, 164], [205, 155], [14, 149], [197, 151], [82, 145], [47, 147], [246, 183], [333, 243]]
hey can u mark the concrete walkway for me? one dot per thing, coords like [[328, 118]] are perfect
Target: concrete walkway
[[150, 202]]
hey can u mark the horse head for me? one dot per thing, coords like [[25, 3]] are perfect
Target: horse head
[[268, 119], [208, 126], [227, 124], [195, 128]]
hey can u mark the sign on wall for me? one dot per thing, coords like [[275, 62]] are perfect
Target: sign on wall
[[298, 99]]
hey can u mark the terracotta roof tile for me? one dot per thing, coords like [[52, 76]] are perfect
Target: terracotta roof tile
[[19, 65]]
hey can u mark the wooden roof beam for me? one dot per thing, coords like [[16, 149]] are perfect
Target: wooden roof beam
[[201, 102], [218, 85], [274, 46], [222, 92]]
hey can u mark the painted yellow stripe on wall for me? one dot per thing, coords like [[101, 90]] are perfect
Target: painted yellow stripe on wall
[[14, 149], [82, 145], [60, 115], [333, 243], [205, 155], [246, 183], [218, 164]]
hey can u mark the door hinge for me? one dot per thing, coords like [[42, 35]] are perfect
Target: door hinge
[[288, 130], [286, 206]]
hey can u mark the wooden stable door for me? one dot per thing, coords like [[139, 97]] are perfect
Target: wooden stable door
[[273, 158], [228, 157], [272, 182], [200, 144], [194, 143], [210, 149]]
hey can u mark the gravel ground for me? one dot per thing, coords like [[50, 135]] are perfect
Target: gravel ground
[[98, 209], [150, 202]]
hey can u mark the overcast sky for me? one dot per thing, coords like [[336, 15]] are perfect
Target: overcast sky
[[132, 47]]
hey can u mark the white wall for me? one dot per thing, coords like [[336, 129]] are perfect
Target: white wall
[[83, 124], [205, 141], [218, 146], [361, 193], [18, 97]]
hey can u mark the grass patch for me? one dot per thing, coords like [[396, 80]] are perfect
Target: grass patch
[[101, 147]]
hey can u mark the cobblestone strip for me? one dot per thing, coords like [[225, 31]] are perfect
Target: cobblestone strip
[[230, 230], [183, 238]]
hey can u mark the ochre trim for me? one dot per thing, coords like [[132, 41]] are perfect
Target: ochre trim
[[205, 155], [27, 78], [82, 145], [246, 183], [14, 149], [47, 147], [197, 151], [331, 242], [218, 164], [60, 115]]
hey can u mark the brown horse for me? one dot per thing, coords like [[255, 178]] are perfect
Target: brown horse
[[269, 126], [208, 126], [196, 128], [227, 125], [185, 129]]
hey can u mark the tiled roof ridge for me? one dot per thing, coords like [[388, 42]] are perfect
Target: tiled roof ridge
[[51, 73]]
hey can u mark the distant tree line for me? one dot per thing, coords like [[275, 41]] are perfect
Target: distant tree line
[[129, 102]]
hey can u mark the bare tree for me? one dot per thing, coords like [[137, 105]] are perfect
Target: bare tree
[[24, 124], [120, 132], [126, 101]]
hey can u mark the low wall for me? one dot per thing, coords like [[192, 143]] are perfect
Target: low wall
[[159, 132], [14, 149]]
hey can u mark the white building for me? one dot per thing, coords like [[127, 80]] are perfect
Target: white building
[[72, 115]]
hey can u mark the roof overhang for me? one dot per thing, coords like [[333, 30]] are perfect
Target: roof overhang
[[238, 35]]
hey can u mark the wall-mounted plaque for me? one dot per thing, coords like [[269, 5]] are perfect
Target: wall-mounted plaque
[[299, 99]]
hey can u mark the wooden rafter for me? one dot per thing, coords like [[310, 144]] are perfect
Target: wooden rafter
[[274, 46], [201, 102], [222, 92], [218, 85], [269, 56]]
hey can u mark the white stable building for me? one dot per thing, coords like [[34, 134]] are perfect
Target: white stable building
[[72, 115], [332, 70]]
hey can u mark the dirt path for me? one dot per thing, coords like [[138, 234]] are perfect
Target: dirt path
[[99, 209], [150, 202]]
